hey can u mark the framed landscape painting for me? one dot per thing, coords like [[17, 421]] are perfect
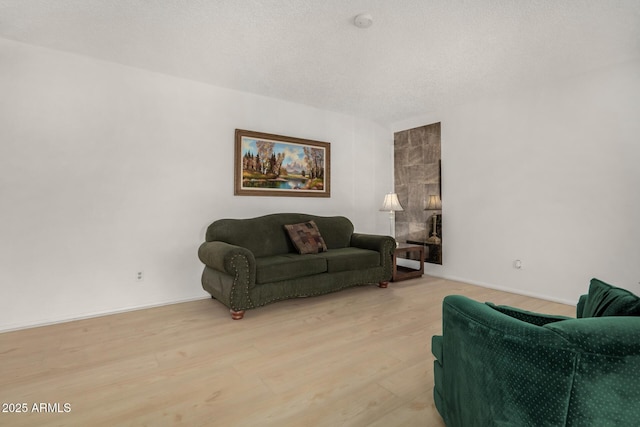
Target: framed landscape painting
[[276, 165]]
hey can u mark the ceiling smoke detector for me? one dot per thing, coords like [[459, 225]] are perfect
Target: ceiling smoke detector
[[364, 20]]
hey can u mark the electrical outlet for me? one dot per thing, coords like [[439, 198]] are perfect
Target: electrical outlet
[[139, 276]]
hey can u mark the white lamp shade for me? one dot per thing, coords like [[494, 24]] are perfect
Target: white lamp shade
[[391, 203], [434, 203]]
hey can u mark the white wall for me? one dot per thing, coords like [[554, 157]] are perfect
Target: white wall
[[106, 170], [548, 175]]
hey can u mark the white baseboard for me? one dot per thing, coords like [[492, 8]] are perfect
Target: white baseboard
[[97, 314], [142, 307], [505, 289]]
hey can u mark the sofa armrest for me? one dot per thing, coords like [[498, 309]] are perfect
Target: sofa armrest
[[460, 312], [616, 336], [234, 260], [494, 365], [607, 366], [383, 244], [373, 242], [219, 255]]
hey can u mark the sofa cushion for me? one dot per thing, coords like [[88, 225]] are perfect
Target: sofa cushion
[[607, 300], [289, 266], [527, 316], [266, 236], [347, 259], [306, 237], [336, 231]]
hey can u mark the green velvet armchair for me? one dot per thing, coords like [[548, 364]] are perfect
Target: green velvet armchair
[[502, 366]]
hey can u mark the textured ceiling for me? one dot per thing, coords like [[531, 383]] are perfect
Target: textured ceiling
[[419, 55]]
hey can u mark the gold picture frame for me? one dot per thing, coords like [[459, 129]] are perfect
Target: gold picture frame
[[275, 165]]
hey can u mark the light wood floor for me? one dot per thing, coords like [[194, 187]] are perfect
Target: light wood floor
[[359, 357]]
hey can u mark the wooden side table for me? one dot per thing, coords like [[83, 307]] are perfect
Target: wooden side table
[[434, 254], [400, 272]]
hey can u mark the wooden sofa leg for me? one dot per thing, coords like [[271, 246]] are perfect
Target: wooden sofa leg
[[237, 315], [383, 284]]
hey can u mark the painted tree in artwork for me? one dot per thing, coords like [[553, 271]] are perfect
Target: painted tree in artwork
[[276, 163], [314, 158], [262, 165], [265, 150], [265, 162]]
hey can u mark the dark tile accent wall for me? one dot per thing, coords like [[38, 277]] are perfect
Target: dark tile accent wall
[[417, 175]]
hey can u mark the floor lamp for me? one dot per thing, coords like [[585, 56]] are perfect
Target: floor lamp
[[392, 205]]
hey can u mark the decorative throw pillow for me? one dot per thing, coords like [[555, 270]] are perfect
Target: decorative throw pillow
[[306, 237], [607, 300]]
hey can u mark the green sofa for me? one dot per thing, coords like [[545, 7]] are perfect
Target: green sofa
[[253, 262], [502, 366]]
